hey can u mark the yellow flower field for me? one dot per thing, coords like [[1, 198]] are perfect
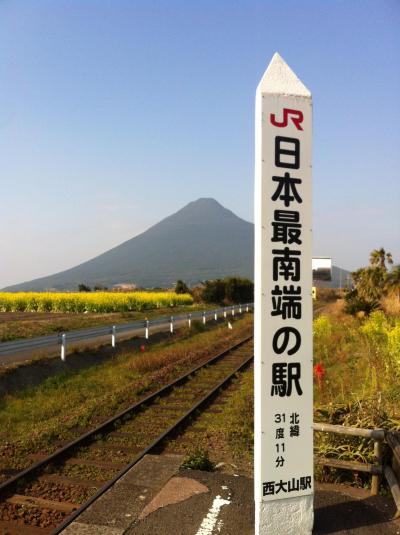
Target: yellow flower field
[[89, 301]]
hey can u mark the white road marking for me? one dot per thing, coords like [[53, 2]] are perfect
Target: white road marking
[[210, 521]]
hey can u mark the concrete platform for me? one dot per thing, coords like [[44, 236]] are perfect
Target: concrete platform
[[227, 508], [115, 511], [158, 498]]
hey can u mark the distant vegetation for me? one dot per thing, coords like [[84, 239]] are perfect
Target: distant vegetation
[[97, 288], [90, 301], [228, 291], [84, 288], [181, 287], [375, 286]]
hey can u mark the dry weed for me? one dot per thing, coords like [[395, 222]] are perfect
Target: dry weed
[[391, 305]]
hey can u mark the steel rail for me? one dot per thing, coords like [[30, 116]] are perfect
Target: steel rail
[[26, 344], [136, 407], [152, 446], [317, 310]]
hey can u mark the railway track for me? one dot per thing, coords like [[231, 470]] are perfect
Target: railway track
[[44, 498], [318, 310]]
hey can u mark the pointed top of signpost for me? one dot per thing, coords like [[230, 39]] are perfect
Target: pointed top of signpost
[[280, 79]]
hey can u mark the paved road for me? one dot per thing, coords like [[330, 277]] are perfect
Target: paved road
[[54, 351]]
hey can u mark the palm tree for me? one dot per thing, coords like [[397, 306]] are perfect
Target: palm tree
[[379, 257]]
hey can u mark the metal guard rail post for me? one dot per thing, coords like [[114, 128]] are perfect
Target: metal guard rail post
[[62, 339]]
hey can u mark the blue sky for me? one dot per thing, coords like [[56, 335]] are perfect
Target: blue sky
[[114, 114]]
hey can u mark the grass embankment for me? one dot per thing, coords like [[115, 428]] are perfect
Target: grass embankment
[[56, 411], [357, 369], [15, 325]]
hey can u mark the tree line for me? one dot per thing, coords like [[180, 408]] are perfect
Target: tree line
[[227, 291]]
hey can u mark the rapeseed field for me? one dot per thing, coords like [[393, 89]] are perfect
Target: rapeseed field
[[89, 301]]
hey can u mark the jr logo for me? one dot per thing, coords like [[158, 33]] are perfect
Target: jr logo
[[296, 116]]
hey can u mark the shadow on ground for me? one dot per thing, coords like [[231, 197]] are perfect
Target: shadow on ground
[[340, 514]]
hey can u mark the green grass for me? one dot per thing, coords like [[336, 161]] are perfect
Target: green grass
[[198, 460]]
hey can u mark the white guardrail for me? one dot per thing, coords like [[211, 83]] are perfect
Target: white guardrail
[[62, 339]]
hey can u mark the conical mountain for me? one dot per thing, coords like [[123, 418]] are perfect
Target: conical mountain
[[201, 241]]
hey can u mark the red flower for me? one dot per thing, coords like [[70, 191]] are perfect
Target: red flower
[[142, 348], [319, 371]]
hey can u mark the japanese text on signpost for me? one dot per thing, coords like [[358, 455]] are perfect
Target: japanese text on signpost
[[285, 280]]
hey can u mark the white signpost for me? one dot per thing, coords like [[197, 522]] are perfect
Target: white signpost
[[283, 305]]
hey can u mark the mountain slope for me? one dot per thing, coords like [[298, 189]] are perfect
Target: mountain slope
[[201, 241]]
